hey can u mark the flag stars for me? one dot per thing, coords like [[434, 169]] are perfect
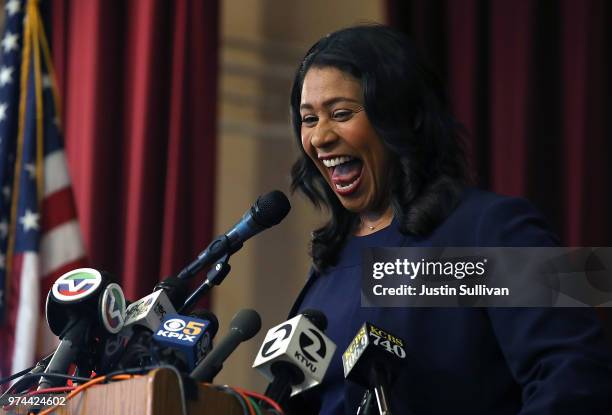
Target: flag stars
[[2, 261], [3, 108], [46, 81], [3, 229], [6, 75], [13, 6], [31, 169], [6, 191], [9, 42], [29, 220]]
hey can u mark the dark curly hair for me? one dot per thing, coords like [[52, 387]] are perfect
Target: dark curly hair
[[407, 106]]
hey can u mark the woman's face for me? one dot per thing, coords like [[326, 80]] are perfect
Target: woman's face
[[338, 137]]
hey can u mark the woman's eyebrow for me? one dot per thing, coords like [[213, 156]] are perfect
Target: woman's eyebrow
[[330, 102]]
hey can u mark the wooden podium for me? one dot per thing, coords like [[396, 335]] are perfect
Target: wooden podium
[[157, 393]]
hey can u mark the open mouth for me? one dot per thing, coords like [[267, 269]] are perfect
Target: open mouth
[[345, 173]]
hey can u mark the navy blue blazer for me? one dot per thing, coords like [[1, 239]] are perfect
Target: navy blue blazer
[[467, 360]]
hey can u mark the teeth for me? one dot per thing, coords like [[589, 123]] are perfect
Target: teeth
[[346, 187], [336, 161]]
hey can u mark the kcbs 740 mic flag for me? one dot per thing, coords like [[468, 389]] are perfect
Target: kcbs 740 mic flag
[[39, 234]]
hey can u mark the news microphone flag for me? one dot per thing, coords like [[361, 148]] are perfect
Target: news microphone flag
[[39, 235], [188, 335], [300, 343]]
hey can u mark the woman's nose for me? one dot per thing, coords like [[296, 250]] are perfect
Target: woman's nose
[[323, 135]]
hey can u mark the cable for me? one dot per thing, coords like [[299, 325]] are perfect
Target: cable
[[123, 374], [84, 386], [51, 375], [16, 375], [239, 398], [264, 398], [58, 389], [76, 391], [44, 361], [247, 401], [257, 408]]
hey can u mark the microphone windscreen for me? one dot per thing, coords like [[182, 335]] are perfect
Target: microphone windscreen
[[269, 209], [316, 317], [247, 322], [204, 314]]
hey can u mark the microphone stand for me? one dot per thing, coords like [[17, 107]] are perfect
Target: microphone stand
[[365, 407], [380, 385], [215, 276], [381, 400]]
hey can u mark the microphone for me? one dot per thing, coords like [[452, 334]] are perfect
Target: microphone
[[189, 336], [149, 311], [175, 288], [373, 360], [116, 347], [268, 210], [136, 345], [295, 355], [316, 317], [80, 303], [244, 325], [142, 317], [204, 314]]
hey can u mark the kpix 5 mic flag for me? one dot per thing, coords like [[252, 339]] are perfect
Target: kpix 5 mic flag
[[190, 336], [39, 234]]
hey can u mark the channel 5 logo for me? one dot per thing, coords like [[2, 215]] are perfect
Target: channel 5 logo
[[184, 329]]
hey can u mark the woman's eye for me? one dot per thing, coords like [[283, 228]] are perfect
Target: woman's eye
[[342, 115], [309, 119]]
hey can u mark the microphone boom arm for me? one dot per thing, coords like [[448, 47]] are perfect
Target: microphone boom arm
[[215, 276], [214, 251]]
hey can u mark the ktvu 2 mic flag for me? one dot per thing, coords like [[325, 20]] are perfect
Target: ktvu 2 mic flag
[[39, 234]]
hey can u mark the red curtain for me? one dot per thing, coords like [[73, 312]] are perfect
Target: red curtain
[[138, 81], [531, 80]]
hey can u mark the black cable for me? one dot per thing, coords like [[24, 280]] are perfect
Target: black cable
[[50, 375], [41, 363], [133, 370], [16, 375]]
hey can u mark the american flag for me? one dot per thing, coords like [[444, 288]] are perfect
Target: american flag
[[39, 234]]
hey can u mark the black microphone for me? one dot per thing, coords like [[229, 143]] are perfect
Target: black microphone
[[316, 317], [136, 345], [244, 325], [268, 210], [175, 288], [295, 355], [204, 314], [130, 347], [287, 374], [150, 310], [81, 305], [185, 340], [373, 360]]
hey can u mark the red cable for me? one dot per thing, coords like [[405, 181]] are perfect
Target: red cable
[[52, 390], [264, 398]]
